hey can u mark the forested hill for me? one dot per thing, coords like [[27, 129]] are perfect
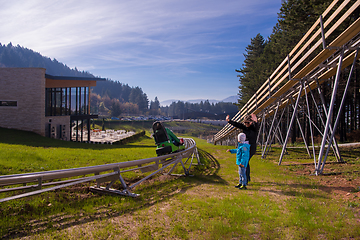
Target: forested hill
[[110, 93], [17, 56], [108, 98]]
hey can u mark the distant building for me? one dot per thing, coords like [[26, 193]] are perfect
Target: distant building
[[51, 106]]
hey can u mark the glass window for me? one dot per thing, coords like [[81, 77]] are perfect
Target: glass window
[[58, 101], [73, 100], [66, 101], [84, 100]]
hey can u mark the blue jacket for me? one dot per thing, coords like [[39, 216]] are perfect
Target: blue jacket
[[242, 154]]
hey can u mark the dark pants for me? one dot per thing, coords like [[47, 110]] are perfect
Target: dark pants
[[252, 152], [248, 172]]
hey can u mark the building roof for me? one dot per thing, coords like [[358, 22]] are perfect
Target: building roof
[[73, 78], [63, 81]]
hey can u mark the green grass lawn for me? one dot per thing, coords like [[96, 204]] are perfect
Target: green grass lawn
[[282, 202]]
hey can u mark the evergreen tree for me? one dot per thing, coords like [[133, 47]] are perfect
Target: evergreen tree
[[138, 97], [294, 20], [115, 109], [262, 57], [126, 93], [251, 74], [155, 106]]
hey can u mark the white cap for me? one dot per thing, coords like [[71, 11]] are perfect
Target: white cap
[[242, 137]]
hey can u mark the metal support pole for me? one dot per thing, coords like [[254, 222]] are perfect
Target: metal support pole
[[276, 128], [265, 125], [330, 113], [289, 66], [340, 109], [271, 127], [291, 123], [39, 183], [261, 130], [335, 145], [177, 160], [322, 32], [185, 170], [279, 129], [197, 157], [310, 125], [277, 137], [302, 133]]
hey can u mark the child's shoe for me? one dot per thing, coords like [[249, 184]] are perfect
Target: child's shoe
[[243, 187], [238, 186]]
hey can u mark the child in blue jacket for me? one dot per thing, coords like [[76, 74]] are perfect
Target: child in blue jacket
[[242, 159]]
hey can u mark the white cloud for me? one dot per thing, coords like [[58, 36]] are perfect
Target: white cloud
[[167, 35], [62, 26]]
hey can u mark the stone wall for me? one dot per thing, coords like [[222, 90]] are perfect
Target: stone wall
[[27, 87]]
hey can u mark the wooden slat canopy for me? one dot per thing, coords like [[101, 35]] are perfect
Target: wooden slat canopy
[[282, 85]]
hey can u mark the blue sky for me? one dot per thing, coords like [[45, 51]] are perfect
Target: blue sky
[[172, 49]]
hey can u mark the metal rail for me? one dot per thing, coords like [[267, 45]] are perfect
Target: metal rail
[[107, 173], [292, 81]]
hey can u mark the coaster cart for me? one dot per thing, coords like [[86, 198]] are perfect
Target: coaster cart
[[165, 140]]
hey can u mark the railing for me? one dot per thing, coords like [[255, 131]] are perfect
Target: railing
[[283, 84], [102, 174]]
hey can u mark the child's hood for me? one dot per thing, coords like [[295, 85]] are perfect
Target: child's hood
[[245, 144]]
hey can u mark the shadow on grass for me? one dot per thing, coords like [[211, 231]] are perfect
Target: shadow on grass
[[209, 173], [70, 207], [314, 191], [290, 190], [348, 154]]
